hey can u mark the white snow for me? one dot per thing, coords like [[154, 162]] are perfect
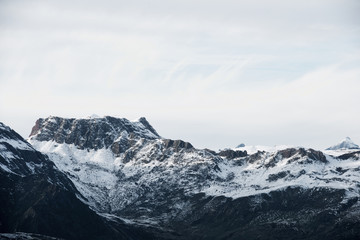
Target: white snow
[[31, 167], [339, 152], [6, 169], [251, 179], [346, 143], [16, 144], [92, 116], [92, 172], [5, 153], [52, 119], [112, 182], [81, 162], [96, 173], [256, 148]]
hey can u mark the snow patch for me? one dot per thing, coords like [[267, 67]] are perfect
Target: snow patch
[[21, 145], [6, 169], [253, 178], [92, 116]]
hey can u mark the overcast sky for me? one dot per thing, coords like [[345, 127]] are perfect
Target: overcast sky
[[214, 73]]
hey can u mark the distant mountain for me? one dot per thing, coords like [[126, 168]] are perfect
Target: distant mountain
[[347, 143], [240, 145], [127, 171]]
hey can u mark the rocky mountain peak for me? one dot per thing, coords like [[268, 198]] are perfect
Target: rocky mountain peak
[[146, 124], [90, 133], [301, 155]]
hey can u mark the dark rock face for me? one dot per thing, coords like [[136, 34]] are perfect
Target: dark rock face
[[90, 133], [255, 157], [120, 146], [274, 177], [177, 144], [316, 155], [295, 154], [310, 153], [210, 151], [148, 126], [231, 154], [354, 155], [293, 213], [36, 197]]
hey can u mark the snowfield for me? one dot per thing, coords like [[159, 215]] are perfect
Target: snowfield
[[110, 182]]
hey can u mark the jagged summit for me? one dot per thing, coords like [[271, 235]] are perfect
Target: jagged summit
[[347, 143], [91, 133]]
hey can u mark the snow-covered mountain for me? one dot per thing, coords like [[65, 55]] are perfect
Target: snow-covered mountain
[[347, 143], [125, 170], [36, 197], [115, 162]]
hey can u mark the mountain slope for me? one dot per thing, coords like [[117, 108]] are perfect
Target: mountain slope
[[36, 197]]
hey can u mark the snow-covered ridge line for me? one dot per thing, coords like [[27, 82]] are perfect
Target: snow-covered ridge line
[[17, 144], [9, 136]]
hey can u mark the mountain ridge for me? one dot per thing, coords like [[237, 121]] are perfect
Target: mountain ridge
[[171, 190], [178, 177]]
